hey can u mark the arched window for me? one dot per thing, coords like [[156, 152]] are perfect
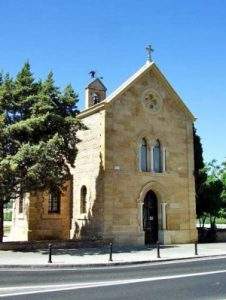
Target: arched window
[[95, 98], [157, 157], [54, 200], [21, 203], [83, 200], [143, 155]]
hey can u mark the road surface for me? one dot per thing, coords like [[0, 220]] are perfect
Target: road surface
[[193, 279]]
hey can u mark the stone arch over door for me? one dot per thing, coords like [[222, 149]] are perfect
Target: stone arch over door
[[161, 194]]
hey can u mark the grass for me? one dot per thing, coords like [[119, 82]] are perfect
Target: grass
[[218, 221]]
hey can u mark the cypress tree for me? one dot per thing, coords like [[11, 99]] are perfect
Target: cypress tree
[[199, 174]]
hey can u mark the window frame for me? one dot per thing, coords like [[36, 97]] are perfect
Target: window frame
[[54, 201], [158, 146], [21, 204], [83, 200], [143, 144]]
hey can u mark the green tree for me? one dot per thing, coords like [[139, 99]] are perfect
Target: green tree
[[223, 177], [213, 191], [200, 178], [38, 126]]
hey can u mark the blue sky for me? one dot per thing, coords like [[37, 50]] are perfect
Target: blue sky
[[72, 37]]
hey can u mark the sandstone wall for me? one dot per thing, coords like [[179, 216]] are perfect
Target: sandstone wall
[[88, 172], [43, 225], [127, 122], [19, 228]]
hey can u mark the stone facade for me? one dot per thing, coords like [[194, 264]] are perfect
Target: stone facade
[[36, 223], [107, 176], [89, 173]]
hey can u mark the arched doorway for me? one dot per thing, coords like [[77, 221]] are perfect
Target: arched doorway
[[150, 218]]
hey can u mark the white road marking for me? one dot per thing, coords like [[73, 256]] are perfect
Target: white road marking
[[38, 289]]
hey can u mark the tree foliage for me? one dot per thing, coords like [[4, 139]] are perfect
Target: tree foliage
[[213, 192], [200, 174], [38, 127], [210, 186], [223, 177]]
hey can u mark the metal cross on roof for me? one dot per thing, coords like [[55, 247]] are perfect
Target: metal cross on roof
[[149, 51]]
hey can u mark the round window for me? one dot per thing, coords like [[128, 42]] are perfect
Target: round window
[[152, 101]]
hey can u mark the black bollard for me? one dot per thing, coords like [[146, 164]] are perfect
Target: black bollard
[[50, 254], [158, 249], [110, 254], [196, 248]]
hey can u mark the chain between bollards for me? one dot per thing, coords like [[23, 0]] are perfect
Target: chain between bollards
[[50, 254], [110, 254], [158, 249], [196, 248]]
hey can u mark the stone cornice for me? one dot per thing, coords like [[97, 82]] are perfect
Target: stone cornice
[[92, 110]]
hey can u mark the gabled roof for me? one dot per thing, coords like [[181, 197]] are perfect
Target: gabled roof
[[148, 66], [96, 80], [126, 84]]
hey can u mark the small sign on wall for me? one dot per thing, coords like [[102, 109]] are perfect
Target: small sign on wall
[[175, 205], [117, 168]]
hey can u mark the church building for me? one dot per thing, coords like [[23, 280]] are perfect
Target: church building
[[133, 179]]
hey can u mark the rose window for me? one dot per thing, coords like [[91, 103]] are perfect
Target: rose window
[[152, 102]]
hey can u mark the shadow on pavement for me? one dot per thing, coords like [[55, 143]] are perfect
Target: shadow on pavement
[[95, 250]]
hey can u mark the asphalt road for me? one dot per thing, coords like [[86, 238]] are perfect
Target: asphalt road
[[196, 279]]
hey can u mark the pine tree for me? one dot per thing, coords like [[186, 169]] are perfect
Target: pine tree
[[38, 126]]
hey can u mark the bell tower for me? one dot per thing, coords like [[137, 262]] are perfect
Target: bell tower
[[95, 92]]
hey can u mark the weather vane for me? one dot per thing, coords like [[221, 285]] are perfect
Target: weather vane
[[93, 74], [149, 51]]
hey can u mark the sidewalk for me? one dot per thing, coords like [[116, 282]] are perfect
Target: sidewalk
[[100, 256]]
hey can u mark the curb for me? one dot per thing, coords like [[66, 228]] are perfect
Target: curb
[[107, 264]]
